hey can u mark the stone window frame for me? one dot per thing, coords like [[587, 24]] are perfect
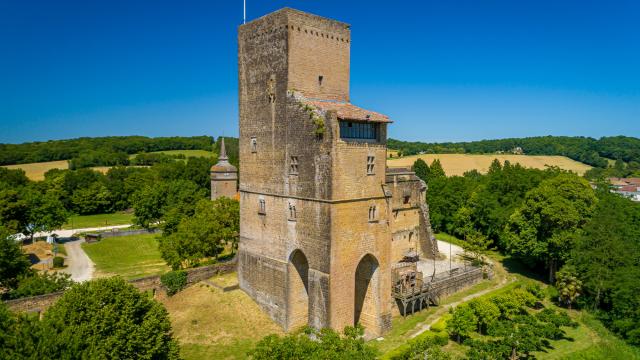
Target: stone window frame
[[373, 213], [293, 215], [262, 207], [371, 162], [293, 165], [406, 196], [254, 144]]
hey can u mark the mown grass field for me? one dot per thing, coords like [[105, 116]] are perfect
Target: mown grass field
[[131, 257], [98, 220], [458, 164], [211, 324]]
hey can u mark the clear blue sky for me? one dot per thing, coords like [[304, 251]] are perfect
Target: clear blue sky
[[443, 70]]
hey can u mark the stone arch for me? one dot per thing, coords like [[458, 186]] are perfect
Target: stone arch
[[297, 290], [366, 293]]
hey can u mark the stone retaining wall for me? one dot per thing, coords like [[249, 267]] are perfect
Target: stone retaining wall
[[150, 283]]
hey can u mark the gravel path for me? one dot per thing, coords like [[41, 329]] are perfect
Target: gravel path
[[78, 263]]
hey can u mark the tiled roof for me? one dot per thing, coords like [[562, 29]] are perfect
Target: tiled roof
[[629, 188], [348, 111], [624, 181]]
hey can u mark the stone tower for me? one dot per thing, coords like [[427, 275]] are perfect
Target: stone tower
[[315, 234], [224, 176]]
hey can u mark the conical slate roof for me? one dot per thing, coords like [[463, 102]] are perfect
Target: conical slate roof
[[223, 164]]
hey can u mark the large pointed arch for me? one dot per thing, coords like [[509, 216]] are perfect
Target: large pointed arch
[[366, 285], [297, 290]]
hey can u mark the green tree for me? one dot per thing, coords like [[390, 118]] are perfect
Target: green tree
[[543, 229], [436, 170], [46, 212], [94, 199], [462, 323], [203, 235], [325, 344], [569, 286], [476, 246], [107, 318], [153, 201], [421, 169], [13, 262], [521, 335], [462, 222], [486, 311]]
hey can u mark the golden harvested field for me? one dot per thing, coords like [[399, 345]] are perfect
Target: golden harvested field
[[35, 171], [458, 164], [211, 324], [186, 153]]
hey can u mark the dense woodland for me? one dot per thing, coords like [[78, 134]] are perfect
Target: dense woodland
[[594, 152], [584, 241], [99, 151]]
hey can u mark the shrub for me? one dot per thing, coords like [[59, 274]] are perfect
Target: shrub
[[441, 324], [40, 284], [58, 262], [174, 281], [314, 344]]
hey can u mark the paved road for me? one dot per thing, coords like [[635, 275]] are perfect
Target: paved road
[[69, 233], [78, 263]]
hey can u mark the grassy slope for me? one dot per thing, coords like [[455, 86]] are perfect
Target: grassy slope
[[458, 164], [98, 220], [131, 257], [211, 324]]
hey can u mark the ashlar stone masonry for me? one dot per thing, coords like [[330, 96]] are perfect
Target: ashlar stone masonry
[[322, 220]]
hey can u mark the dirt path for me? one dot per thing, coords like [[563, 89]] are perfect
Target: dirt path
[[79, 265]]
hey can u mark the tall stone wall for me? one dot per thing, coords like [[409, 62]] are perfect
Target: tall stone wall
[[319, 47]]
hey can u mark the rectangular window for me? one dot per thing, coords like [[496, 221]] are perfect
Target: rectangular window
[[293, 166], [371, 162], [373, 213], [254, 145], [292, 212], [358, 130], [262, 207]]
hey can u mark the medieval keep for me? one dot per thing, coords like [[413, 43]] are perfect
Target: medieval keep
[[323, 222], [224, 176]]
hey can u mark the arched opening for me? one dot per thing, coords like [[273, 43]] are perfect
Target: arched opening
[[366, 288], [298, 290]]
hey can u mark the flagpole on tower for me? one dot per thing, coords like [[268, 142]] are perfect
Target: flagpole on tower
[[244, 11]]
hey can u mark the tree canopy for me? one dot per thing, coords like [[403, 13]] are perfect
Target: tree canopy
[[543, 229], [107, 318]]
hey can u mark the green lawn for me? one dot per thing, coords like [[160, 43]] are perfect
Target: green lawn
[[131, 257], [98, 220]]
